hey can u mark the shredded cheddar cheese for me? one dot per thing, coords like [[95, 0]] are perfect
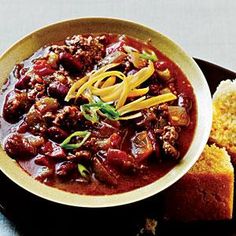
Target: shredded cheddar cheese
[[114, 87]]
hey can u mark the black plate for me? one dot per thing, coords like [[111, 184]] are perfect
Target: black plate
[[26, 214]]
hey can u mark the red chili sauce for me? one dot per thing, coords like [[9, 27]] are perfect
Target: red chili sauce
[[110, 155]]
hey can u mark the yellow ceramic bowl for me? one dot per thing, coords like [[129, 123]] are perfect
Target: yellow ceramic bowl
[[25, 47]]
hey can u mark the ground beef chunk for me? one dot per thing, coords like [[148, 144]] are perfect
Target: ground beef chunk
[[148, 117], [169, 137], [90, 144], [169, 134], [69, 117], [91, 47], [83, 155], [80, 53], [170, 150]]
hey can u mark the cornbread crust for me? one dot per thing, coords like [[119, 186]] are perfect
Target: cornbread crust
[[206, 191], [223, 131]]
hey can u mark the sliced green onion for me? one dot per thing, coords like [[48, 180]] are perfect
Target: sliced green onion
[[108, 110], [129, 49], [83, 134], [89, 113], [143, 55], [147, 56], [84, 172]]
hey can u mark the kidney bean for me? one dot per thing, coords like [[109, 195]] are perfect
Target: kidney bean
[[18, 146], [23, 82], [44, 173], [57, 90], [64, 168], [184, 101], [16, 104], [42, 160], [57, 134], [17, 70], [69, 62], [53, 150], [44, 71]]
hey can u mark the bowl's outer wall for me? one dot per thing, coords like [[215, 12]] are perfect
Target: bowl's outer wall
[[25, 47]]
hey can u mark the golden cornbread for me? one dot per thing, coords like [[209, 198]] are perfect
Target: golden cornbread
[[223, 131], [206, 191]]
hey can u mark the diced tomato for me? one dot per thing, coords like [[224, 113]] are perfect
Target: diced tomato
[[42, 68], [121, 160], [115, 140]]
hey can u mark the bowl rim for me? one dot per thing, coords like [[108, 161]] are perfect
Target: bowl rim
[[50, 193]]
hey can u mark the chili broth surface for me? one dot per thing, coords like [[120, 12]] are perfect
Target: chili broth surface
[[117, 154]]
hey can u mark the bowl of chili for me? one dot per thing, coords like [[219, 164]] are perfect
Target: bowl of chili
[[100, 112]]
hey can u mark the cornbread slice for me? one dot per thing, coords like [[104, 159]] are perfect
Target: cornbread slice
[[206, 191], [223, 131]]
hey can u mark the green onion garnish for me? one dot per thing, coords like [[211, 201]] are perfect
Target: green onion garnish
[[147, 56], [144, 55], [83, 171], [89, 111], [83, 134], [109, 111]]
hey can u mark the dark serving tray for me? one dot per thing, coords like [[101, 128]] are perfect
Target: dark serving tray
[[25, 214]]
